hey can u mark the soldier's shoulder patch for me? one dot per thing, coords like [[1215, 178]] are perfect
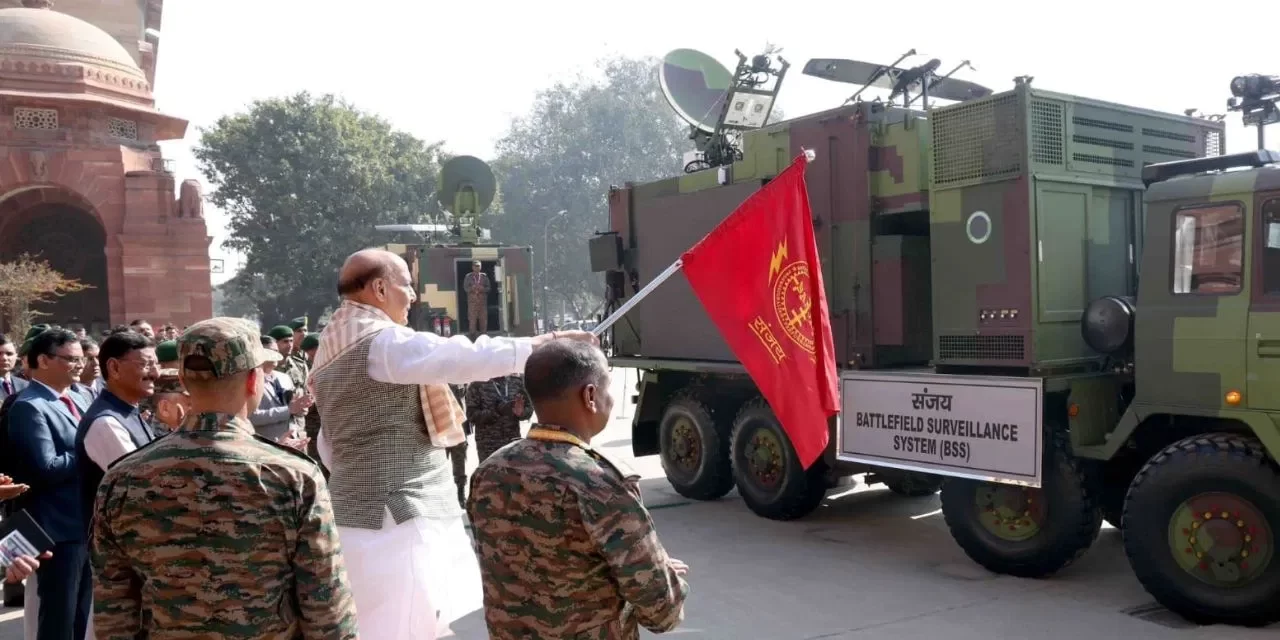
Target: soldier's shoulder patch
[[625, 471], [311, 464]]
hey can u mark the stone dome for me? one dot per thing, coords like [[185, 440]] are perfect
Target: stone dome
[[49, 36]]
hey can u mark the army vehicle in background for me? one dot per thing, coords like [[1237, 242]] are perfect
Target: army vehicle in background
[[447, 248], [981, 262]]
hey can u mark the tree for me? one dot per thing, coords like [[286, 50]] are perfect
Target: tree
[[230, 300], [577, 140], [27, 282], [304, 180]]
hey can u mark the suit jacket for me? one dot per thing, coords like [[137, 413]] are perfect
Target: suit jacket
[[42, 435], [18, 385]]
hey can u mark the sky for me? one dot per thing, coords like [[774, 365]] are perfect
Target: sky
[[459, 71]]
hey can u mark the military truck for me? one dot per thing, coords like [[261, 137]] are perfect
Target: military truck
[[441, 261], [981, 262]]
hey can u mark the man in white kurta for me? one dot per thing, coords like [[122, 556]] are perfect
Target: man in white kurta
[[388, 416]]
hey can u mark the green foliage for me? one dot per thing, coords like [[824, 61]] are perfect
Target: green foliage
[[304, 180], [577, 140]]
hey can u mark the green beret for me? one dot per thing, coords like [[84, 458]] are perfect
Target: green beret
[[35, 330], [298, 324], [167, 351], [311, 341], [280, 332]]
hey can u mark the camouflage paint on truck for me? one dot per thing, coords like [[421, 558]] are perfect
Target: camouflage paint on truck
[[1206, 343], [438, 271], [1037, 210]]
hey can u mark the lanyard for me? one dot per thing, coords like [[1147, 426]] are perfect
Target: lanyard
[[550, 435]]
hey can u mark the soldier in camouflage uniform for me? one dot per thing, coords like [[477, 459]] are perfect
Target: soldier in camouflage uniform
[[169, 405], [477, 285], [495, 409], [566, 546], [211, 531], [307, 349], [458, 452], [294, 367], [167, 354]]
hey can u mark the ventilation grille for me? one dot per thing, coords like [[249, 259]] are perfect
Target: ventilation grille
[[119, 128], [32, 118], [1213, 144], [1046, 132], [1109, 141], [977, 141], [981, 348]]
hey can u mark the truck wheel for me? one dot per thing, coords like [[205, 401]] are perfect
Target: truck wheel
[[766, 469], [914, 485], [694, 450], [1200, 527], [1025, 532]]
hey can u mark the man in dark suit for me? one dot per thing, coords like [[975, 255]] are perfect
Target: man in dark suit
[[42, 436], [10, 385]]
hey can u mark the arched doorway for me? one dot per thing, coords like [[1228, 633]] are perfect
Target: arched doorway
[[73, 242]]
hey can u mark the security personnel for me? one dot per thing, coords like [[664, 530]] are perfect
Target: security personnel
[[566, 546], [231, 534]]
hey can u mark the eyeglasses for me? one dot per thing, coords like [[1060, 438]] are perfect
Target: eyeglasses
[[145, 365], [73, 360]]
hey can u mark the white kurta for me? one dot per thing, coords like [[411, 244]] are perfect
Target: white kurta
[[402, 575]]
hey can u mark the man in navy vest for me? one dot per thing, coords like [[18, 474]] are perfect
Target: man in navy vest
[[113, 426]]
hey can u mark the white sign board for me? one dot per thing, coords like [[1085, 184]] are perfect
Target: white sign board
[[978, 427]]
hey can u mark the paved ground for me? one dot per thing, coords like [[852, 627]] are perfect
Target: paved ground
[[868, 565]]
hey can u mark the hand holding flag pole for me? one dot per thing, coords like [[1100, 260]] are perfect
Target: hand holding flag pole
[[770, 306]]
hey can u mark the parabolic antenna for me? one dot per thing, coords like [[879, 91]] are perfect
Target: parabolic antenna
[[696, 86], [467, 186]]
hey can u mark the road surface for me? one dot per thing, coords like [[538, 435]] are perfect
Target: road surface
[[867, 565]]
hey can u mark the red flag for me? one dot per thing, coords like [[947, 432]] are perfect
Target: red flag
[[758, 276]]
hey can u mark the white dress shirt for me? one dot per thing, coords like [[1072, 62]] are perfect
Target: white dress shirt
[[107, 440], [400, 355]]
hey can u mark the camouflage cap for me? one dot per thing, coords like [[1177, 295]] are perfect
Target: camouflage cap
[[232, 345], [311, 341], [280, 332], [298, 324], [167, 351], [169, 382]]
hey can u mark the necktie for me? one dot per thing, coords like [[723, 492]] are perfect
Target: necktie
[[8, 387], [71, 406], [275, 382]]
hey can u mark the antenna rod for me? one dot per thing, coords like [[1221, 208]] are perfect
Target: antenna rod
[[880, 72]]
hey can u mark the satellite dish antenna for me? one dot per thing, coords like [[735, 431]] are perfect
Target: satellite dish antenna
[[467, 186], [718, 104], [466, 190], [696, 86]]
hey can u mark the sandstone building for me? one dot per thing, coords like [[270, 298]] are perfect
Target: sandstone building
[[82, 180]]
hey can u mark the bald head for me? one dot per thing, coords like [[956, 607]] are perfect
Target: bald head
[[365, 266]]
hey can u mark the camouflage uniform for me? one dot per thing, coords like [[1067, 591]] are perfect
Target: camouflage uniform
[[458, 452], [166, 382], [213, 532], [295, 368], [477, 286], [567, 548], [492, 412]]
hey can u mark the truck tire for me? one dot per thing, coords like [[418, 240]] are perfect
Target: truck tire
[[694, 450], [1024, 532], [766, 469], [914, 485], [1222, 484]]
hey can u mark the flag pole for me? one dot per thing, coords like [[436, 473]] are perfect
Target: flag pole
[[640, 295], [666, 274]]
